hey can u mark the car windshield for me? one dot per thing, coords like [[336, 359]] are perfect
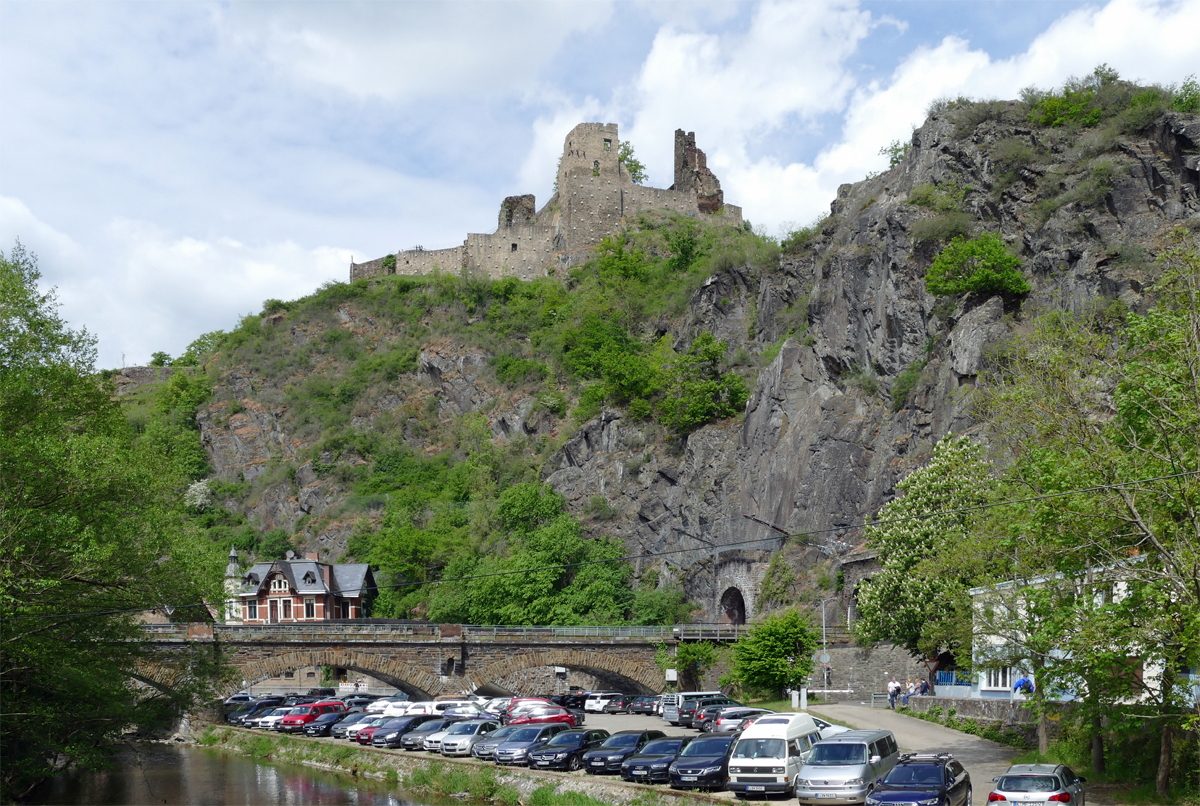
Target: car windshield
[[329, 718], [622, 740], [663, 747], [1028, 783], [301, 711], [525, 735], [707, 747], [434, 726], [838, 753], [565, 740], [503, 733], [460, 729], [760, 748], [914, 774]]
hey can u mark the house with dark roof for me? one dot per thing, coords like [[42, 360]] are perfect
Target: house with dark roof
[[295, 590]]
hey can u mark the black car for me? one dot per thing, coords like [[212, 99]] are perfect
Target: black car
[[643, 705], [573, 702], [565, 751], [936, 779], [323, 725], [609, 756], [689, 708], [703, 764], [391, 733], [415, 738], [255, 709], [618, 704], [650, 764]]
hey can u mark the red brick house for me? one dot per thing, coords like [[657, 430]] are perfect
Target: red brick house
[[295, 590]]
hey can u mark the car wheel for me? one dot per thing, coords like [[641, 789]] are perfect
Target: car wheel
[[575, 764], [967, 800]]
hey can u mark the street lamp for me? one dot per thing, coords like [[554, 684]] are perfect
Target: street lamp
[[825, 646]]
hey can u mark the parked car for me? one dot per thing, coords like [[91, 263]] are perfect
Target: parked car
[[703, 764], [521, 742], [380, 705], [734, 719], [924, 779], [828, 728], [845, 767], [769, 754], [301, 715], [1049, 783], [340, 729], [704, 718], [650, 764], [392, 734], [609, 756], [688, 708], [519, 705], [415, 738], [374, 721], [269, 720], [240, 697], [323, 725], [364, 735], [618, 704], [433, 742], [252, 710], [596, 700], [484, 748], [565, 751], [464, 712], [544, 715], [462, 735], [573, 701], [643, 705]]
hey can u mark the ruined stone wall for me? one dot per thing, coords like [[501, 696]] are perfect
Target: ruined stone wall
[[517, 251]]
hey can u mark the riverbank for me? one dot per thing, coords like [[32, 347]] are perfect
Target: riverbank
[[463, 779]]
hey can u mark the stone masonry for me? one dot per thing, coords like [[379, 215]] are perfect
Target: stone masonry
[[595, 196]]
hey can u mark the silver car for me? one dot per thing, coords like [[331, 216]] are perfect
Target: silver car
[[462, 736], [486, 746], [1040, 783], [516, 746], [843, 769]]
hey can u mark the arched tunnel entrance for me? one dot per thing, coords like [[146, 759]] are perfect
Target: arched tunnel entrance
[[732, 608]]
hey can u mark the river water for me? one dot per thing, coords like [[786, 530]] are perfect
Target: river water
[[185, 775]]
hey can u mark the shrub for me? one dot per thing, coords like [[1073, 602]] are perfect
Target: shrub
[[599, 508], [1187, 97], [896, 151], [945, 197], [941, 228], [798, 240], [906, 381], [981, 265], [513, 370]]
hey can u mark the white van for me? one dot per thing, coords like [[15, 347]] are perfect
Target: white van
[[596, 700], [671, 702], [769, 754]]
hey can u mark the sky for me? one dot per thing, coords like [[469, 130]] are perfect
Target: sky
[[175, 164]]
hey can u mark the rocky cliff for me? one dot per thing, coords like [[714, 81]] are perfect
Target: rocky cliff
[[856, 369]]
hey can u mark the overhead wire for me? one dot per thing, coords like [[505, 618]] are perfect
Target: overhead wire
[[703, 550]]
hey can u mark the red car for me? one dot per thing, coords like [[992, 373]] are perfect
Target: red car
[[544, 715], [301, 715], [364, 734]]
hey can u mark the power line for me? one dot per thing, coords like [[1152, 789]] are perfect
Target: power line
[[710, 548]]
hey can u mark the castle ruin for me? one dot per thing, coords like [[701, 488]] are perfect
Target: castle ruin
[[595, 196]]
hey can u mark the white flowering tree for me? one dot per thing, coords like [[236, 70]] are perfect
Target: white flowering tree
[[198, 496], [927, 554]]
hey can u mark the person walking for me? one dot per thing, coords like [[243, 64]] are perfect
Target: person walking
[[893, 690]]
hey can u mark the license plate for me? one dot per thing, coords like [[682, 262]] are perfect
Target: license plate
[[639, 771], [826, 794], [689, 778], [756, 789], [597, 763], [543, 761]]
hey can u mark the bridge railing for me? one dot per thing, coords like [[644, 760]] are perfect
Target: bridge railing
[[342, 629], [508, 631], [709, 632], [382, 630]]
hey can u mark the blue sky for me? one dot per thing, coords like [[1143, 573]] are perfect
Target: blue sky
[[174, 164]]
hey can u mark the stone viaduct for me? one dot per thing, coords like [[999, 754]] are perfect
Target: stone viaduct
[[425, 660]]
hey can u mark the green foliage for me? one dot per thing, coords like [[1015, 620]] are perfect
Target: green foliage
[[200, 348], [513, 370], [981, 265], [775, 655], [944, 197], [915, 598], [685, 246], [1187, 97], [599, 509], [93, 524], [777, 582], [659, 604], [942, 227], [1010, 156], [896, 151], [1081, 101], [906, 381], [389, 262], [696, 392], [798, 240], [160, 359], [625, 155], [691, 659]]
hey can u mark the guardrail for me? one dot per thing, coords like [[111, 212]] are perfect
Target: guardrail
[[509, 631], [379, 629]]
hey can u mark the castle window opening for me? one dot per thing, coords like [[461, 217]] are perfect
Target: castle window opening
[[449, 667], [514, 248], [595, 167], [608, 145]]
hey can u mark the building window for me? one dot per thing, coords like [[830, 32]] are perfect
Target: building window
[[514, 248], [251, 610], [287, 608], [289, 674], [278, 585], [311, 675], [998, 678], [346, 610], [608, 145], [310, 607]]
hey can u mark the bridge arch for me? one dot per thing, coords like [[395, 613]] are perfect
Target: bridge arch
[[412, 681], [645, 679]]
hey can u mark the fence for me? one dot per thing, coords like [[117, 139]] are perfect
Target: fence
[[953, 677]]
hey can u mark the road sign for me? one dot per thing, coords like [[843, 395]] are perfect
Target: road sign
[[824, 657]]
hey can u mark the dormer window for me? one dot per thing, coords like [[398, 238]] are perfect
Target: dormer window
[[279, 585], [310, 578]]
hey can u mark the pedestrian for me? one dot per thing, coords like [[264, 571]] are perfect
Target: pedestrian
[[1024, 685], [909, 691], [924, 688], [893, 690]]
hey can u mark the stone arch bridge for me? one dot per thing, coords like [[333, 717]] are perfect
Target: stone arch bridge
[[425, 660]]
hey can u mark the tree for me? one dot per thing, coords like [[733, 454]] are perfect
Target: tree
[[1120, 413], [775, 655], [918, 599], [637, 171], [691, 660], [91, 527], [981, 265], [695, 392]]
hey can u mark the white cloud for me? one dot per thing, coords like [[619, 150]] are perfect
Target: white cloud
[[401, 51]]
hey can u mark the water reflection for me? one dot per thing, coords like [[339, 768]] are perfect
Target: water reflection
[[166, 774]]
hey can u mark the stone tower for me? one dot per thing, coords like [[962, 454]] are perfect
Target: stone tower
[[692, 174]]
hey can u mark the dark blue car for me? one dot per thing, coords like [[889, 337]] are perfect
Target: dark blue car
[[703, 764], [938, 779]]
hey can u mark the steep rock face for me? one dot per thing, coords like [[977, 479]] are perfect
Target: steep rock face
[[820, 448]]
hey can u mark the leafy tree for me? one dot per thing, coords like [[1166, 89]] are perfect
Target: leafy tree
[[637, 171], [160, 359], [198, 349], [655, 604], [90, 527], [918, 599], [691, 660], [775, 655], [695, 392], [981, 265], [1137, 445]]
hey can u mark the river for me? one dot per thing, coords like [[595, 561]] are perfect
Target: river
[[176, 774]]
